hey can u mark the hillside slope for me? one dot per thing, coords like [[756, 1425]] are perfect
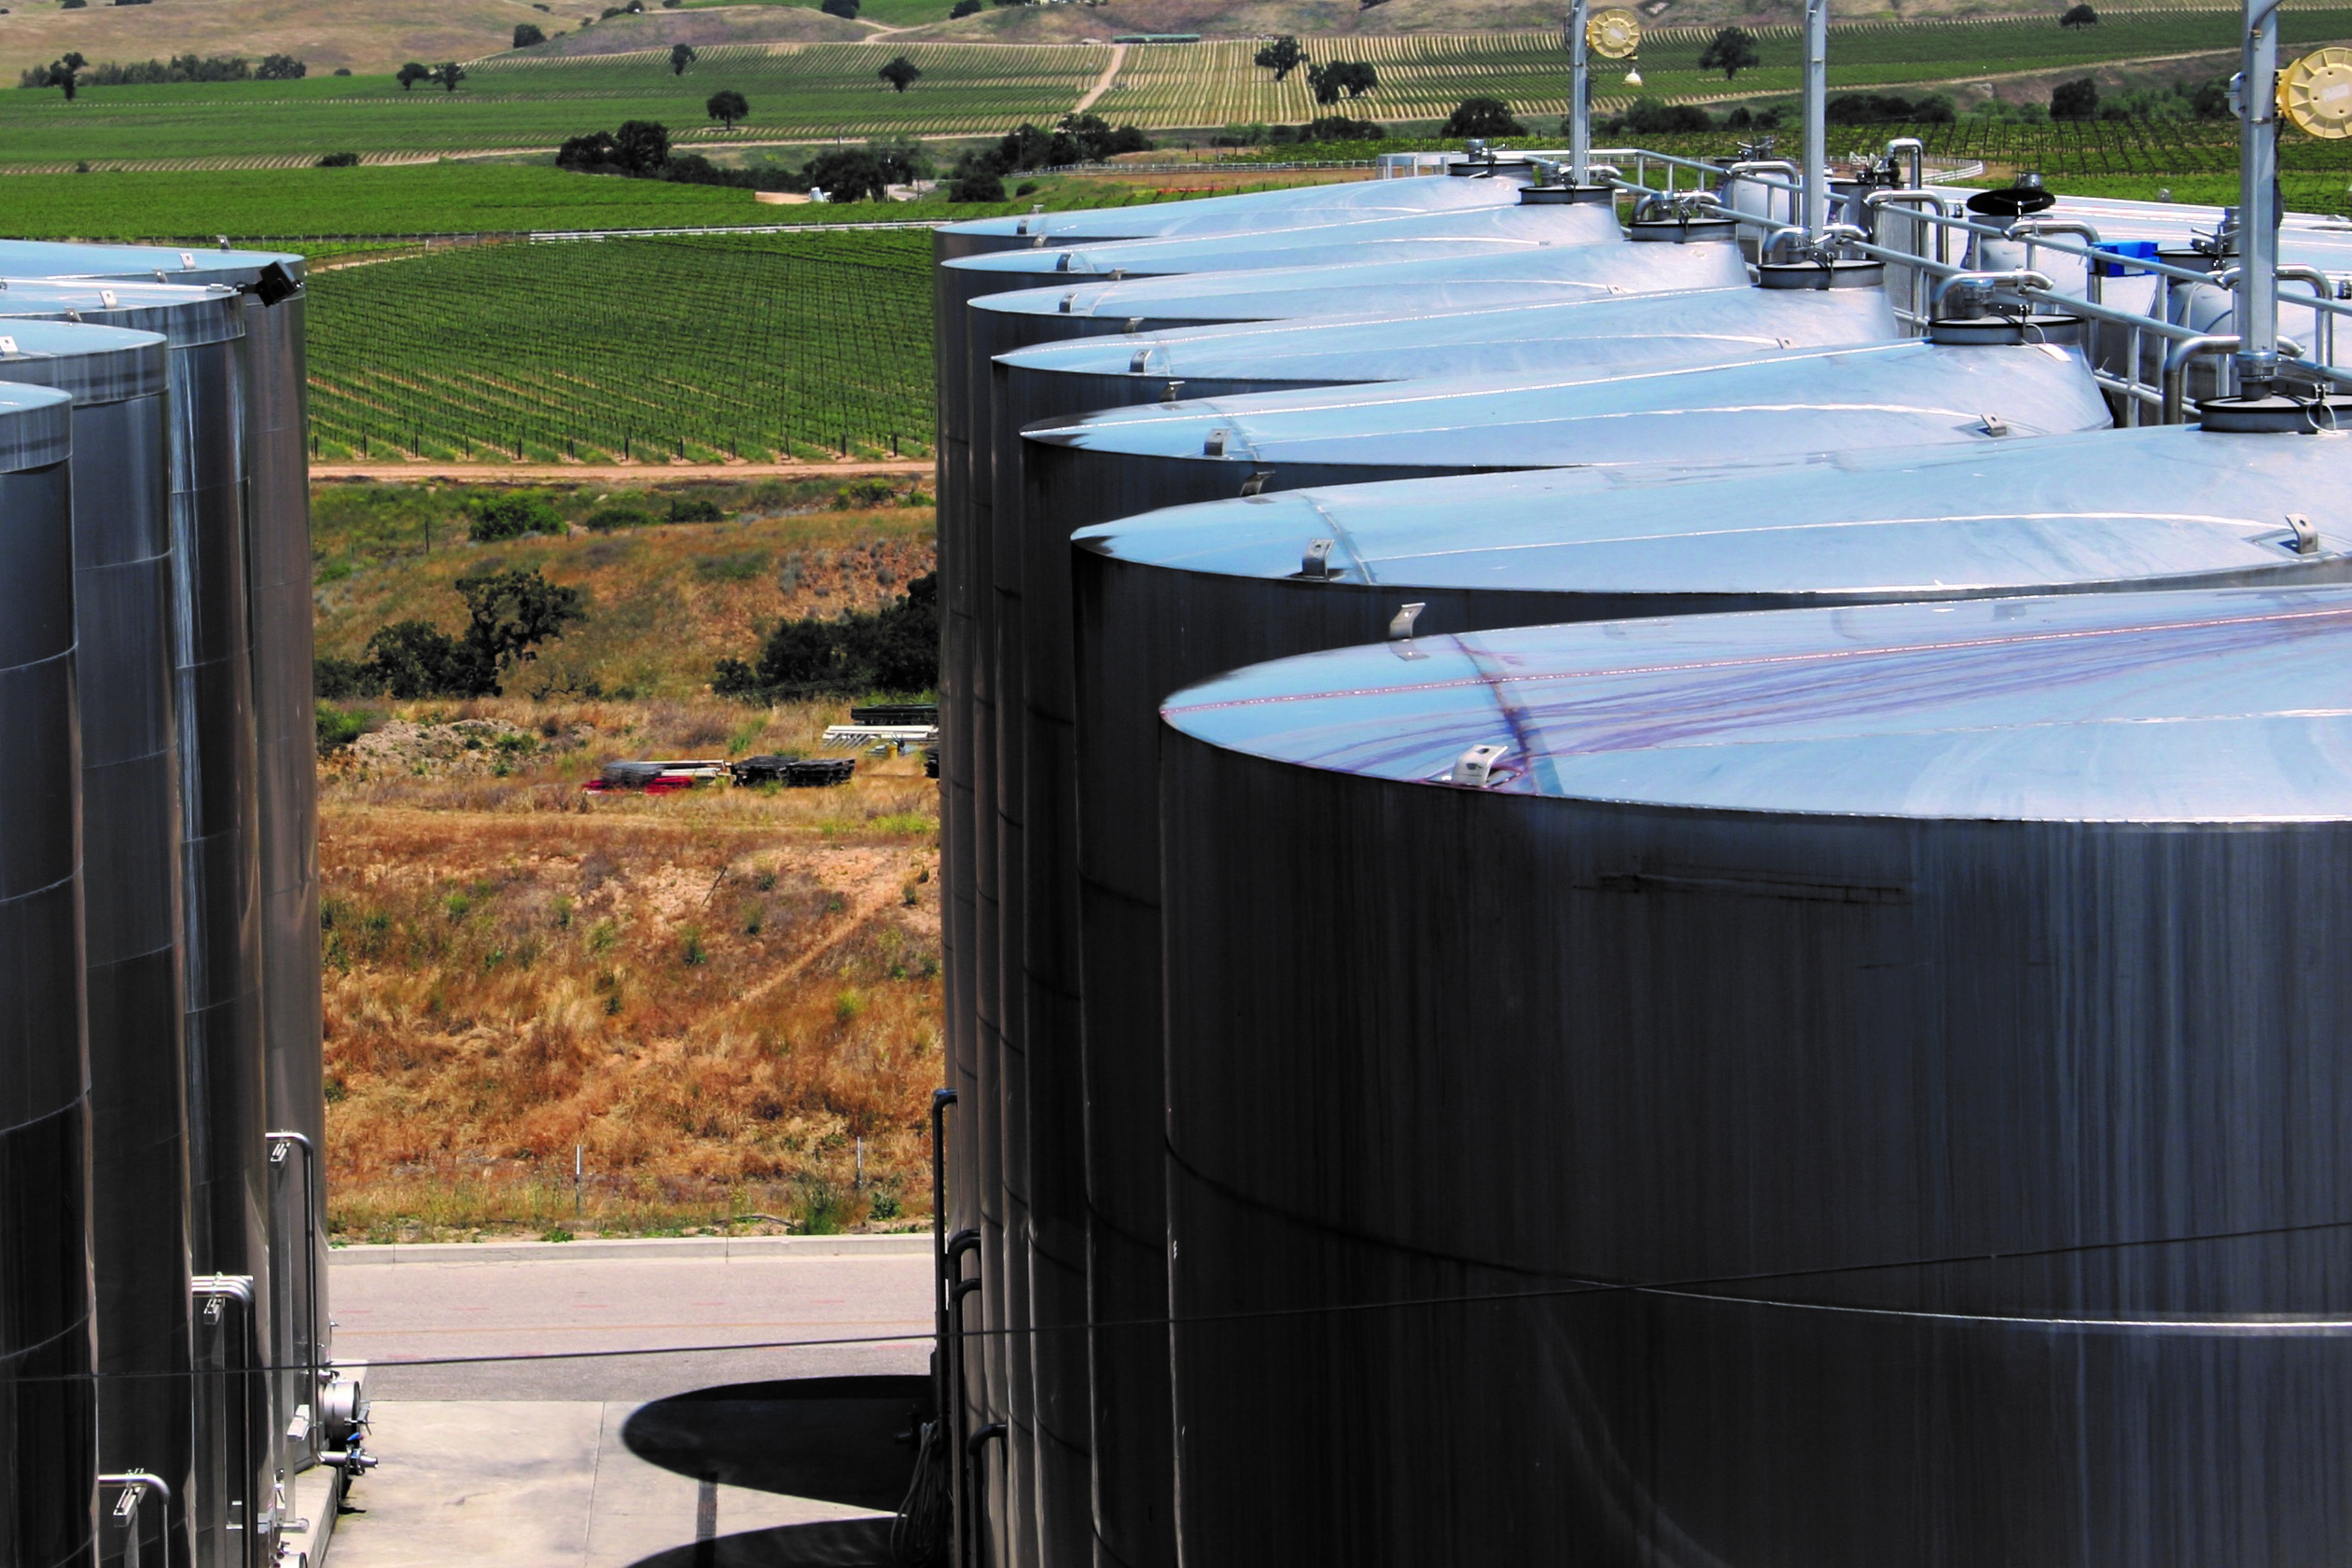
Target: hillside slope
[[728, 998], [365, 36]]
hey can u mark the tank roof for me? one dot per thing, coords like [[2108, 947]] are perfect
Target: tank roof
[[1682, 326], [2223, 705], [1802, 400], [1525, 274]]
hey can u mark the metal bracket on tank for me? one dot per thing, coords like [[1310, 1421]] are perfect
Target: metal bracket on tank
[[7, 345], [1135, 365], [1993, 425], [1400, 626], [2306, 536], [1168, 394], [1068, 300], [1476, 766], [1316, 566], [1256, 483], [1214, 445], [1134, 325]]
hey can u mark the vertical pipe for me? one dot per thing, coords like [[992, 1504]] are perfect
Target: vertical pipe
[[2257, 205], [1579, 96], [1816, 185]]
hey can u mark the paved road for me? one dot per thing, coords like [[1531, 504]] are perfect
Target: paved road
[[631, 1462], [456, 1301]]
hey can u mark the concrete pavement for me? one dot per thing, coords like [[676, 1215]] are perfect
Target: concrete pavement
[[716, 1457]]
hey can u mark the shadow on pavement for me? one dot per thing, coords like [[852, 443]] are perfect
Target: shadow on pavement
[[850, 1543], [835, 1439]]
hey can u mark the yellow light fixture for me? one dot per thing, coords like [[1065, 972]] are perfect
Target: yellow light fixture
[[1613, 34], [2314, 93]]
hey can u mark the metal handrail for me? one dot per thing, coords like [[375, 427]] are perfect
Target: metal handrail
[[310, 1264]]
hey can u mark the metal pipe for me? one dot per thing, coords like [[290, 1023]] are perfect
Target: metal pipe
[[2019, 278], [2322, 321], [1918, 150], [213, 1290], [1816, 185], [2258, 190], [135, 1485], [2032, 229], [1579, 96], [2177, 369], [962, 1242], [309, 1264]]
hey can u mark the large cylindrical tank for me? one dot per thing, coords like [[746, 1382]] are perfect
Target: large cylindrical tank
[[122, 475], [1836, 1087], [1172, 596], [966, 621], [48, 1473], [1051, 1467], [1105, 1263], [276, 434], [221, 946]]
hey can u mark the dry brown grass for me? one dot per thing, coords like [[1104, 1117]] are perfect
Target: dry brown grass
[[716, 994]]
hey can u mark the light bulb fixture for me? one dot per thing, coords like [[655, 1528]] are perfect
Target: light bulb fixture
[[1633, 74]]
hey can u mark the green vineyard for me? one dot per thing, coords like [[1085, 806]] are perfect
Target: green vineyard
[[651, 349]]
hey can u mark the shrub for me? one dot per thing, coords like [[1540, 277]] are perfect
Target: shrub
[[611, 519], [1483, 116], [684, 510], [280, 68], [845, 10], [965, 8], [1339, 128], [896, 649], [515, 513], [339, 727], [1648, 116], [2075, 100], [339, 160], [527, 33], [863, 494]]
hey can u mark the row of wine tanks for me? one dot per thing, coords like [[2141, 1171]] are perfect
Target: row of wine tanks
[[1600, 910], [159, 910]]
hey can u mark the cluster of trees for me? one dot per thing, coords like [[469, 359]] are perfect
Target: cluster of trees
[[1326, 128], [1483, 116], [900, 73], [445, 75], [640, 149], [527, 33], [979, 175], [1732, 50], [73, 73], [1328, 81], [894, 650], [509, 615]]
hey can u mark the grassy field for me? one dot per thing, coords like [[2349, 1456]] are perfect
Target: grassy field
[[705, 349], [817, 91], [718, 994]]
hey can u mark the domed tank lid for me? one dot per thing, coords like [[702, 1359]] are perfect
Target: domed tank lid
[[1300, 205], [266, 271], [2221, 705], [1336, 243], [2155, 505], [187, 316], [1828, 400], [36, 427], [1683, 326], [1525, 274], [93, 364]]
